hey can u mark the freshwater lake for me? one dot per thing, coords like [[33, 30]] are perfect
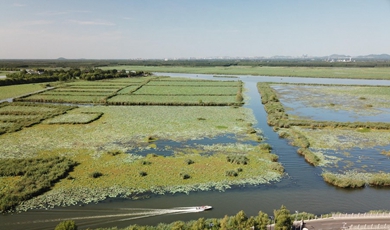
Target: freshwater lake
[[302, 189]]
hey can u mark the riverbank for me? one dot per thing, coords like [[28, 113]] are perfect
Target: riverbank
[[307, 72]]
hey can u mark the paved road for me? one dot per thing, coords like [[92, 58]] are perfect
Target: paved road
[[348, 223]]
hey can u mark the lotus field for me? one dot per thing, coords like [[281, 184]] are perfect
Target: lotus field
[[115, 150]]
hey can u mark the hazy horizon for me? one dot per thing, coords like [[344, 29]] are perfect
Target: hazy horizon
[[152, 29]]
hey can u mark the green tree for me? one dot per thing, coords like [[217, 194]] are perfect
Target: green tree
[[66, 225], [178, 225], [262, 220], [282, 219], [199, 224], [240, 219]]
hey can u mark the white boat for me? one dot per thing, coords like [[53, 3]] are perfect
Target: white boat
[[204, 208]]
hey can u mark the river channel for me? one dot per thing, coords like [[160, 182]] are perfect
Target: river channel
[[302, 189]]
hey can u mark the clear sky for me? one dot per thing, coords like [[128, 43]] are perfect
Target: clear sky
[[122, 29]]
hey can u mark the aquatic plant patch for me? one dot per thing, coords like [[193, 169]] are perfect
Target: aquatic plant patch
[[13, 108], [122, 178], [78, 93], [20, 115], [181, 100], [361, 100], [84, 90], [75, 118], [194, 83], [75, 99], [124, 127], [129, 89], [186, 90], [342, 139]]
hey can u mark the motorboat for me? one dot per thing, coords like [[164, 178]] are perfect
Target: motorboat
[[204, 208]]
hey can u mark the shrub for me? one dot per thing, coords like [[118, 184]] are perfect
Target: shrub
[[185, 176], [189, 161], [231, 173], [66, 225], [237, 159], [114, 152], [96, 174], [151, 138], [146, 163], [142, 173], [265, 146], [310, 157]]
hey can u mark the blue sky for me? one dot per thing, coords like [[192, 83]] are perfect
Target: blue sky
[[122, 29]]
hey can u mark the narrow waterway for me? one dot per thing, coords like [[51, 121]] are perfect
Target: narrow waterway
[[302, 189]]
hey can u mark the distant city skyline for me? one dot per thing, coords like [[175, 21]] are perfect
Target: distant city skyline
[[159, 29]]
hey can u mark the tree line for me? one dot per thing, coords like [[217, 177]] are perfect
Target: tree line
[[41, 75]]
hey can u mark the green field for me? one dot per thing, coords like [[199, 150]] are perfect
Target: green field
[[18, 90], [329, 72], [186, 90], [16, 116], [173, 100], [144, 91]]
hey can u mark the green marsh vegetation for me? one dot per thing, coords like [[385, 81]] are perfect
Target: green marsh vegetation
[[104, 140], [313, 136], [16, 116], [144, 91], [19, 90], [22, 179]]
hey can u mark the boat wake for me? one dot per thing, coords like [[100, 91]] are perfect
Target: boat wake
[[125, 215]]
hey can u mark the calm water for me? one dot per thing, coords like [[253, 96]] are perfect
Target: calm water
[[301, 189]]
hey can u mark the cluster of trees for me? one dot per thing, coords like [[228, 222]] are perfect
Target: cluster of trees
[[41, 75]]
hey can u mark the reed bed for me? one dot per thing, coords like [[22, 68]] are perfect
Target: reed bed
[[354, 179], [33, 177]]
